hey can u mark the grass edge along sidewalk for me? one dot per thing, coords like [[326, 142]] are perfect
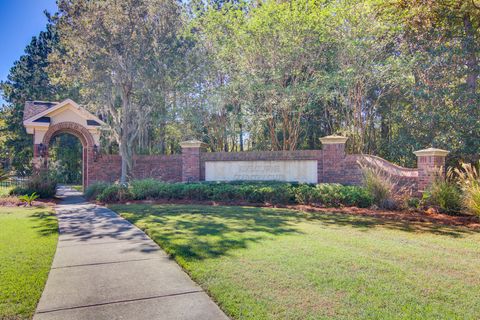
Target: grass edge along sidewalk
[[264, 263], [28, 240]]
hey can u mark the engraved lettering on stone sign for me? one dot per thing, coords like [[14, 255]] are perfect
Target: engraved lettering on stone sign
[[279, 170]]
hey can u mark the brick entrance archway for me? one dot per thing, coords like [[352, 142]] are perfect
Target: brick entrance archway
[[41, 154], [44, 120]]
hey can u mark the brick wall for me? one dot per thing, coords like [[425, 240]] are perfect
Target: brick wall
[[404, 178], [165, 168], [333, 165]]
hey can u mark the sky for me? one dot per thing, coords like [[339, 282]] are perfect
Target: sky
[[20, 20]]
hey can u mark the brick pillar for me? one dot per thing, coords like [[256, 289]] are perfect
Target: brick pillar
[[89, 174], [40, 162], [333, 153], [191, 152], [430, 164]]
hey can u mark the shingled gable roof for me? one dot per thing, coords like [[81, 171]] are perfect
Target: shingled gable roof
[[38, 109], [33, 108]]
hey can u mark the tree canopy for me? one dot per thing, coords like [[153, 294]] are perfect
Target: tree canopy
[[393, 75]]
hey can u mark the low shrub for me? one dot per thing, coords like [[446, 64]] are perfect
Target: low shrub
[[253, 192], [42, 184], [93, 190], [115, 193], [444, 195], [333, 195], [226, 192], [148, 189], [274, 194], [194, 191], [356, 196], [305, 194]]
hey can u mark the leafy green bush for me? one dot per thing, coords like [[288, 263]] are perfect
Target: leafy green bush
[[115, 193], [356, 196], [195, 191], [333, 195], [42, 184], [149, 189], [226, 192], [444, 195], [253, 192], [274, 194], [93, 190], [305, 194], [330, 195]]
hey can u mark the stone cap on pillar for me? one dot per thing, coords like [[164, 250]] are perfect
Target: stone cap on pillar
[[193, 144], [431, 152], [333, 139]]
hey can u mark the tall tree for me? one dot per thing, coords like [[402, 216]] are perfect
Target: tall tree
[[119, 51], [28, 80]]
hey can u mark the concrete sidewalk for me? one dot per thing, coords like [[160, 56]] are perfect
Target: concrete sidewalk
[[106, 268]]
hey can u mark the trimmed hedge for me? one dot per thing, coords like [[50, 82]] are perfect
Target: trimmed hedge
[[95, 189], [328, 195]]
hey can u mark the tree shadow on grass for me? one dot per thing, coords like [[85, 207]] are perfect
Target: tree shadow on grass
[[45, 223], [365, 223], [201, 232], [194, 232]]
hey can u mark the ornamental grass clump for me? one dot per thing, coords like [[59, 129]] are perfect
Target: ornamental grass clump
[[42, 183], [444, 194], [468, 179], [380, 185]]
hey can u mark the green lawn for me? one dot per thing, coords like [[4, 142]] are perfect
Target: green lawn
[[261, 263], [28, 238]]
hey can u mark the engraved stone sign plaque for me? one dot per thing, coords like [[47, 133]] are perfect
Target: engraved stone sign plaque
[[279, 170]]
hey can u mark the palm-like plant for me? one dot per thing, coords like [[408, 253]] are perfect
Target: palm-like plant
[[28, 199]]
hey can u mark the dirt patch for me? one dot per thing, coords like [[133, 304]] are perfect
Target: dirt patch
[[471, 222]]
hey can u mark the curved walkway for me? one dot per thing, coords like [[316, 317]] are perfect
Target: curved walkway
[[106, 268]]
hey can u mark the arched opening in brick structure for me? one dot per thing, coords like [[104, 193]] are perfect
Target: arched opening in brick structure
[[46, 120], [77, 130], [65, 159]]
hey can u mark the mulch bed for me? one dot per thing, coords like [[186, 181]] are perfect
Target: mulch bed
[[471, 222], [429, 216], [15, 202]]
